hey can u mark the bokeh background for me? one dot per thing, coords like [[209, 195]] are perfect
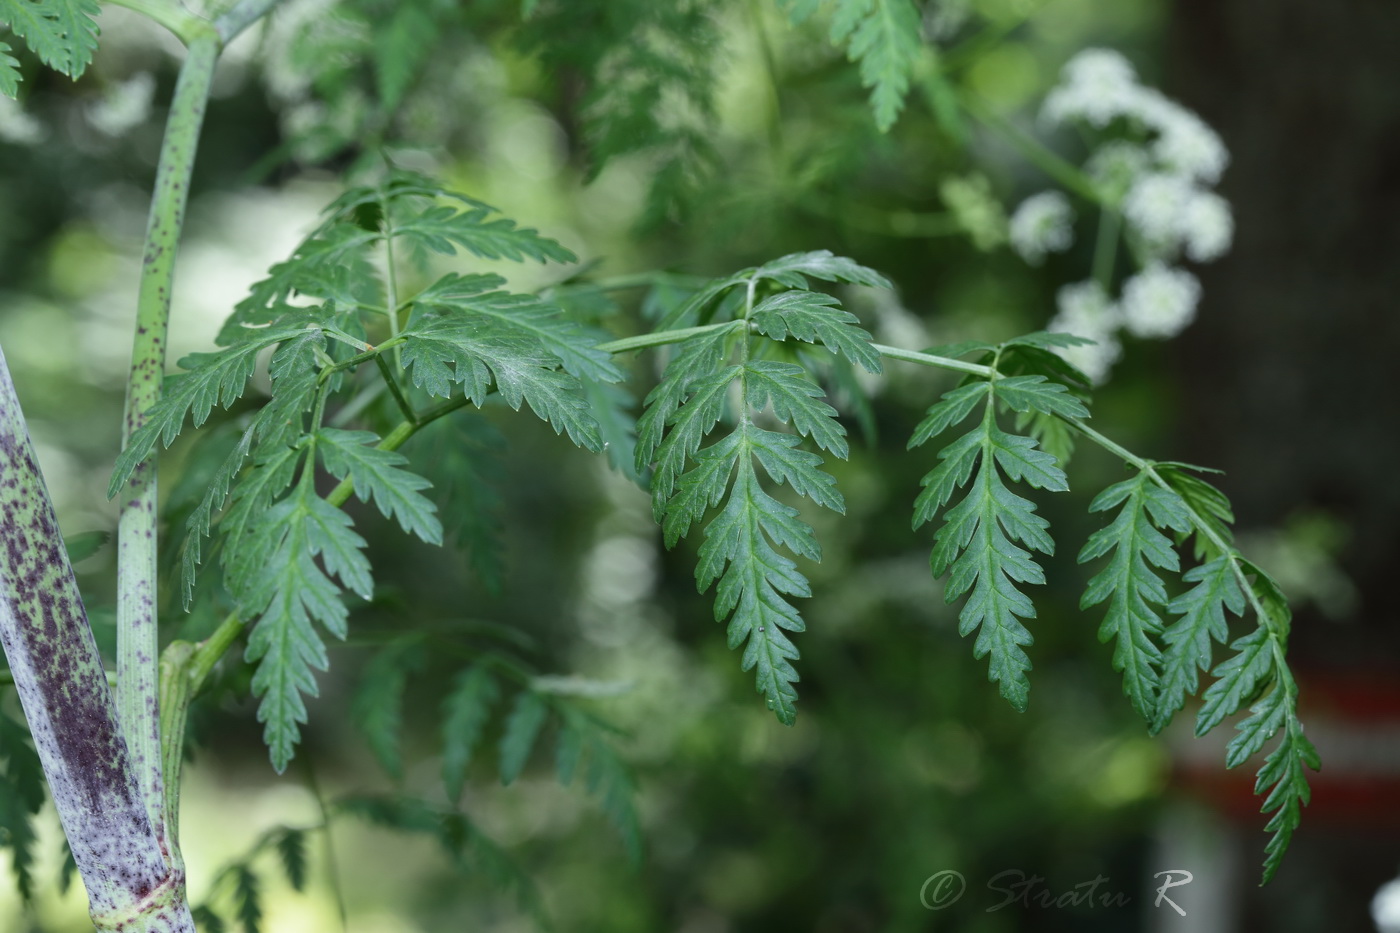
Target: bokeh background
[[904, 761]]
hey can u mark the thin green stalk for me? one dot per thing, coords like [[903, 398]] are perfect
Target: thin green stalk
[[174, 709], [172, 15], [1046, 160], [661, 338], [240, 17], [938, 362], [137, 688], [1106, 247]]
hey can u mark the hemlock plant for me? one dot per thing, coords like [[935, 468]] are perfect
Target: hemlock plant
[[739, 411]]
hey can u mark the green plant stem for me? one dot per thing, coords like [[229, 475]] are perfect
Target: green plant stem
[[137, 690], [1048, 162], [1106, 247], [58, 675], [240, 17], [172, 15], [661, 338], [938, 362], [174, 709]]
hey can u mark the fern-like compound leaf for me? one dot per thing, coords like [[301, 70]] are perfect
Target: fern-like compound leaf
[[1283, 772], [9, 72], [977, 543], [1188, 640], [288, 595], [209, 379], [62, 33], [695, 358], [796, 400], [379, 473], [572, 342], [21, 798], [813, 317], [377, 706], [445, 347], [291, 852], [523, 725], [1238, 679], [753, 581], [1210, 505], [793, 270], [1135, 593], [444, 228], [884, 37], [247, 898], [465, 712]]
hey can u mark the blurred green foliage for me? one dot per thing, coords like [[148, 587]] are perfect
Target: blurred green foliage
[[905, 761]]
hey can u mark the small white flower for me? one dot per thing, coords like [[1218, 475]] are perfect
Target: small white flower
[[1155, 204], [1042, 224], [1160, 301], [1208, 226], [16, 126], [1185, 144], [124, 106], [1096, 86], [1115, 165], [1086, 311]]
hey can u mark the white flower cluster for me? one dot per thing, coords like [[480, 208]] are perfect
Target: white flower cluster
[[1042, 224], [1085, 310], [1162, 186], [1158, 302]]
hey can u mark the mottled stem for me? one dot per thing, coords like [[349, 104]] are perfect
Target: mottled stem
[[137, 689], [63, 690]]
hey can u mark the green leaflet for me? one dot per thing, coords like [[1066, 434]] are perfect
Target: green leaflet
[[754, 578], [22, 796], [465, 713], [62, 33], [443, 228], [1208, 504], [377, 473], [976, 544], [884, 37], [377, 707], [523, 726], [291, 852], [1238, 679], [647, 72], [210, 379], [462, 458], [1188, 639], [574, 343], [463, 347], [287, 596], [1129, 584], [812, 316], [247, 898], [9, 72], [740, 553], [583, 738]]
